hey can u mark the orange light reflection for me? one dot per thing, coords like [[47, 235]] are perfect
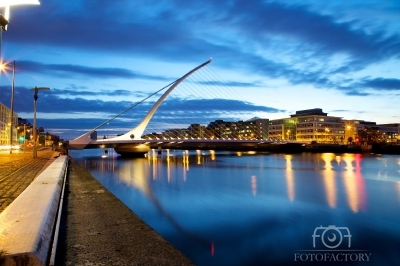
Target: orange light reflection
[[289, 177], [329, 179], [354, 182]]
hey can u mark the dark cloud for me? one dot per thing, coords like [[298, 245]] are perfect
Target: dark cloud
[[141, 32], [356, 93], [65, 70], [223, 105], [175, 113], [381, 84], [172, 108], [240, 35], [75, 93]]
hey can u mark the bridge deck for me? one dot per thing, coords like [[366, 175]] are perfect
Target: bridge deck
[[199, 144]]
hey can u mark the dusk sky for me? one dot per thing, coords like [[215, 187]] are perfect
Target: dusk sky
[[100, 57]]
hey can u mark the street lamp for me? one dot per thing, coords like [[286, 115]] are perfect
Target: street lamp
[[35, 97], [3, 67], [4, 20], [12, 108]]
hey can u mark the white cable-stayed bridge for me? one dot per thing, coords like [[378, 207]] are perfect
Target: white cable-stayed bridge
[[193, 100]]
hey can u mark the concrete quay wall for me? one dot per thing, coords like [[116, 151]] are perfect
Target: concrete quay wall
[[26, 225]]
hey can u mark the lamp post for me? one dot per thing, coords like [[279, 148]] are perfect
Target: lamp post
[[4, 20], [12, 109], [35, 97]]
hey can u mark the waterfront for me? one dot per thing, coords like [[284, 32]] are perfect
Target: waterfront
[[257, 209]]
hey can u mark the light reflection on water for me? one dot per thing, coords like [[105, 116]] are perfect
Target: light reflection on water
[[255, 209]]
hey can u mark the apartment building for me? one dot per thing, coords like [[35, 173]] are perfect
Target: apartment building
[[315, 125], [5, 122], [282, 129], [308, 125]]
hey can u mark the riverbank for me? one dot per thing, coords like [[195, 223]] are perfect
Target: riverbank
[[98, 229]]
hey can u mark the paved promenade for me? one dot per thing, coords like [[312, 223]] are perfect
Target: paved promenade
[[17, 171]]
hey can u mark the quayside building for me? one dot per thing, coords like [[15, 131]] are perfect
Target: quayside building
[[308, 125], [315, 125], [5, 123]]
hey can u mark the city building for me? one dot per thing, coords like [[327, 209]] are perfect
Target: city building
[[282, 129], [221, 129], [196, 131], [370, 133], [310, 125], [350, 130], [315, 125], [255, 128], [392, 132], [5, 122], [24, 131], [306, 126]]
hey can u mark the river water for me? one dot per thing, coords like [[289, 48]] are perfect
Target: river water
[[223, 208]]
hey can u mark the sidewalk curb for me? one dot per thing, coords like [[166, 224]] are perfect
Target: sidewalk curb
[[27, 224]]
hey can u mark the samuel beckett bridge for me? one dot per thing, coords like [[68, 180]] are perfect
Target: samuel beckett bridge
[[220, 136]]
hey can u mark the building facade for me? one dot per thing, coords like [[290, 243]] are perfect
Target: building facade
[[282, 129], [315, 125], [5, 123]]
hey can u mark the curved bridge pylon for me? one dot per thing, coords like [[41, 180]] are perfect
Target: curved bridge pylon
[[122, 141]]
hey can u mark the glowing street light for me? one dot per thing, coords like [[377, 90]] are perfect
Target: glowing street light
[[4, 68], [12, 109], [4, 20], [35, 97], [8, 3]]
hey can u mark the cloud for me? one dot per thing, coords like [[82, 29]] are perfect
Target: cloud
[[353, 92], [223, 105], [185, 26], [66, 70], [238, 34], [230, 83], [388, 84], [172, 113]]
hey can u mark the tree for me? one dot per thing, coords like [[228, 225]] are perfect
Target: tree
[[350, 140]]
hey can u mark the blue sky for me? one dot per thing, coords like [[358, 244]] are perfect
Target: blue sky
[[98, 57]]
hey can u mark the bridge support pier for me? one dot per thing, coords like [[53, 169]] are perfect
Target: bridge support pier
[[132, 150]]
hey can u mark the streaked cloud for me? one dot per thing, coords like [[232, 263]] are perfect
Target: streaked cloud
[[282, 54], [66, 70]]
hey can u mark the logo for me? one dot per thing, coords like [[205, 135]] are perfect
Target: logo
[[331, 236], [332, 243]]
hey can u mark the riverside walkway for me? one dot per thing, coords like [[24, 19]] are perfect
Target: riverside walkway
[[96, 228], [17, 171]]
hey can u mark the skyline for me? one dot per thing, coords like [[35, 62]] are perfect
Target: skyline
[[283, 56]]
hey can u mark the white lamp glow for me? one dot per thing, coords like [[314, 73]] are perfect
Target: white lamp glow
[[8, 3]]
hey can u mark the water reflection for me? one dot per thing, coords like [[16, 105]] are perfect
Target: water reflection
[[398, 189], [329, 179], [233, 208], [137, 174], [289, 177], [353, 182], [254, 185]]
